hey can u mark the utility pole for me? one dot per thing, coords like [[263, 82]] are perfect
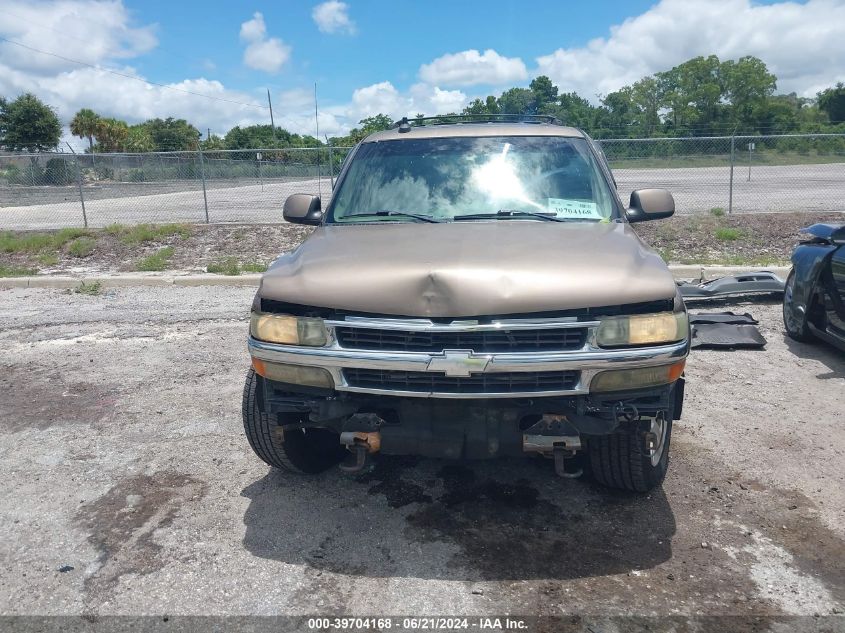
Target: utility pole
[[270, 103], [731, 185]]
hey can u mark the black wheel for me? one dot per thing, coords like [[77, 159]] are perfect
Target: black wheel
[[625, 459], [795, 322], [298, 450]]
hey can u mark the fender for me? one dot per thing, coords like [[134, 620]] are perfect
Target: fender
[[809, 260]]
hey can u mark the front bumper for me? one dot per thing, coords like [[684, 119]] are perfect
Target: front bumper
[[588, 361]]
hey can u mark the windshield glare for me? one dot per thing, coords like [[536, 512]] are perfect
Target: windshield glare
[[445, 178]]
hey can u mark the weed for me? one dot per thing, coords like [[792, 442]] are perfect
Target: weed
[[727, 234], [25, 242], [88, 289], [228, 266], [16, 271], [48, 259], [254, 267], [156, 261], [148, 232], [81, 247], [717, 211]]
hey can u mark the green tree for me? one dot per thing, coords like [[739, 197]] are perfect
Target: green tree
[[28, 124], [138, 139], [748, 86], [692, 94], [832, 102], [517, 101], [172, 134], [111, 135], [84, 125], [545, 92]]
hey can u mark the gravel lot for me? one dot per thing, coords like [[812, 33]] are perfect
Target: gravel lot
[[696, 190], [123, 458]]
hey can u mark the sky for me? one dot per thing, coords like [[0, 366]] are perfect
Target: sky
[[213, 63]]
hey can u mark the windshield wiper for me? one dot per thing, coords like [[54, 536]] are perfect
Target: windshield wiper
[[395, 214], [512, 213]]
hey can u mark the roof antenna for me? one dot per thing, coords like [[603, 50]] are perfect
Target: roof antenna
[[404, 126], [319, 166]]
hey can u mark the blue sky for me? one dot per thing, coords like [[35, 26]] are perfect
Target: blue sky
[[211, 63]]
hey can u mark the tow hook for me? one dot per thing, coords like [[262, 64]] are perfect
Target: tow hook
[[561, 454], [360, 445]]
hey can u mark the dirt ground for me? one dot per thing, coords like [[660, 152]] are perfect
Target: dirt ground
[[762, 239], [129, 488]]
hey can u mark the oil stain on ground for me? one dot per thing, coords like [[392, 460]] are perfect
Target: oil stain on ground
[[43, 398], [121, 524]]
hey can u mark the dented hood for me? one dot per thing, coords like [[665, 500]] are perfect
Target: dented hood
[[469, 269]]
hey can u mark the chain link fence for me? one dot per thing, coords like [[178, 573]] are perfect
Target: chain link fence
[[738, 174]]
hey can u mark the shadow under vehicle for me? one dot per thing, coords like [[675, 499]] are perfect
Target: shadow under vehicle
[[474, 290], [814, 296]]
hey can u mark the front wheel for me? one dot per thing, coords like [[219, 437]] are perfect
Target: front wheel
[[307, 451], [635, 457], [796, 324]]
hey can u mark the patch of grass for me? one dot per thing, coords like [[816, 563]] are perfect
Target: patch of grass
[[232, 267], [253, 267], [735, 260], [48, 259], [82, 247], [25, 242], [717, 211], [228, 266], [727, 234], [156, 261], [16, 271], [147, 232], [88, 289]]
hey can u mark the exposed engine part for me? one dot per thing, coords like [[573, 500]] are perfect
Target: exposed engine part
[[360, 444]]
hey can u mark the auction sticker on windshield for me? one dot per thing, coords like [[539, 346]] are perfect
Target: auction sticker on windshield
[[574, 208]]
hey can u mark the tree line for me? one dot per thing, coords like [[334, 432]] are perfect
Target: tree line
[[703, 96]]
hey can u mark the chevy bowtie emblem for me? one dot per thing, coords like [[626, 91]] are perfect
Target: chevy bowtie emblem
[[458, 363]]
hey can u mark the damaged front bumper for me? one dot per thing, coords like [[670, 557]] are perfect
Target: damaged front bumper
[[581, 367]]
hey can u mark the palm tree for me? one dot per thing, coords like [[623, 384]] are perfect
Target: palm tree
[[84, 125]]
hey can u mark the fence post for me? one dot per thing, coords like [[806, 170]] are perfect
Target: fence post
[[81, 195], [202, 174], [731, 185]]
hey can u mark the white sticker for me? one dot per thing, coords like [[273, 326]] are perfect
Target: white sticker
[[574, 208]]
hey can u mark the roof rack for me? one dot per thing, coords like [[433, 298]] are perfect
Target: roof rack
[[405, 124]]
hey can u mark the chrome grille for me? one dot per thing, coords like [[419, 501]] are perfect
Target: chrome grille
[[422, 381], [481, 342]]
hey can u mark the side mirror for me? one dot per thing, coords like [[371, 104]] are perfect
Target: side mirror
[[303, 208], [650, 204]]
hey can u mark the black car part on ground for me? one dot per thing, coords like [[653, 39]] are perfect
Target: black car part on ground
[[725, 330], [759, 282]]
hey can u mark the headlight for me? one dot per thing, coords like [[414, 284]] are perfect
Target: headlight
[[294, 374], [289, 330], [638, 378], [642, 329]]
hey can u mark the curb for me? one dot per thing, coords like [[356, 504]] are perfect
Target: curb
[[124, 281]]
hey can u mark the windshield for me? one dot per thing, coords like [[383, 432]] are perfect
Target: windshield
[[465, 178]]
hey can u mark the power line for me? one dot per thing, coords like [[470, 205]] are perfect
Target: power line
[[128, 76]]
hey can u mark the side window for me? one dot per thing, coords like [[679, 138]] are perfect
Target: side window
[[602, 158]]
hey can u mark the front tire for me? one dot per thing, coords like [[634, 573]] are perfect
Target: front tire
[[624, 460], [796, 325], [305, 451]]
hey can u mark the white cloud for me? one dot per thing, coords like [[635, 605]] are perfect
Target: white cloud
[[384, 98], [333, 17], [263, 53], [802, 44], [86, 30], [470, 68]]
